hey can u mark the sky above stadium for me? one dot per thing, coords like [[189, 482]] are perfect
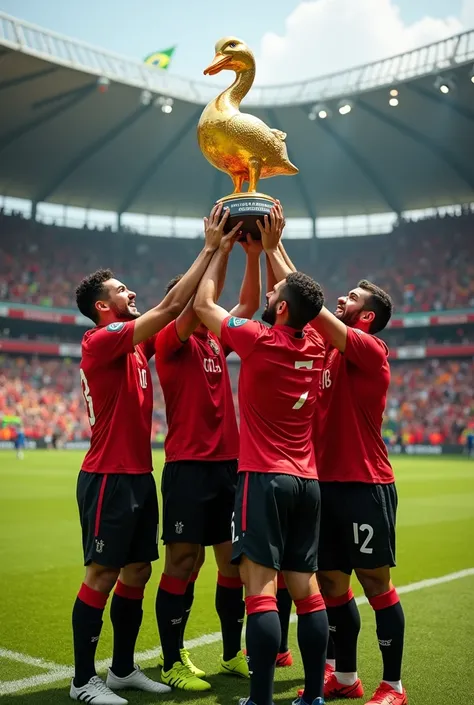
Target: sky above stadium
[[292, 40]]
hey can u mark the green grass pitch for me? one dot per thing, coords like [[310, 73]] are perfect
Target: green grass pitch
[[41, 570]]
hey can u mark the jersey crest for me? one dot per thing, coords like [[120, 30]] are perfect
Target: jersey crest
[[115, 327], [214, 346], [235, 322]]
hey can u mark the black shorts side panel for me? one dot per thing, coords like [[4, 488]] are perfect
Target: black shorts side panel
[[119, 518], [198, 501], [276, 521], [357, 526]]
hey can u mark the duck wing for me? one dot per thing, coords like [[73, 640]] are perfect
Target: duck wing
[[278, 133]]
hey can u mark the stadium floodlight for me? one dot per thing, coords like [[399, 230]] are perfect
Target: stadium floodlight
[[444, 84], [394, 92], [166, 104], [145, 98], [345, 107], [319, 111], [393, 102], [471, 75]]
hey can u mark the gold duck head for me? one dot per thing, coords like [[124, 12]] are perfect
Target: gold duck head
[[232, 54]]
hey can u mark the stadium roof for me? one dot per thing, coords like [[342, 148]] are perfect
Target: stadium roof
[[66, 137]]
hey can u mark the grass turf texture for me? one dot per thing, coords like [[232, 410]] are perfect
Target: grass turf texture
[[42, 569]]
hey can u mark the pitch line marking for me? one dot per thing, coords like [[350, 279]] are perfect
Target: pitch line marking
[[59, 673]]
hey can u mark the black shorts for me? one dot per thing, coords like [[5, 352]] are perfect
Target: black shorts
[[198, 501], [357, 526], [276, 521], [119, 518]]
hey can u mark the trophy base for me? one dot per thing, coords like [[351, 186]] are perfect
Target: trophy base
[[248, 207]]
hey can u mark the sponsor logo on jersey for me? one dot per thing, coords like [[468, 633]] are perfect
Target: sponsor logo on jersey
[[237, 322], [115, 327], [213, 345]]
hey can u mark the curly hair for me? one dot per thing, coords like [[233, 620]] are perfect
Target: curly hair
[[379, 302], [90, 290], [172, 283], [304, 297]]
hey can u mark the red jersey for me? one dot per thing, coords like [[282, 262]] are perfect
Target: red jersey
[[278, 388], [348, 420], [199, 405], [117, 388]]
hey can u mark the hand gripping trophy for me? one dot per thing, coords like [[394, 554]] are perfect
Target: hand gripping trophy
[[239, 144]]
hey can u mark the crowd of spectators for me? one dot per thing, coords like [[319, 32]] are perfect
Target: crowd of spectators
[[429, 401], [426, 265]]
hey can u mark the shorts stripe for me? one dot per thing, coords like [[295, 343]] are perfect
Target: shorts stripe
[[244, 501], [99, 505]]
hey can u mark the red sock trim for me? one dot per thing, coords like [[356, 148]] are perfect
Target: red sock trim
[[231, 583], [91, 597], [281, 582], [339, 600], [193, 577], [313, 603], [387, 599], [129, 592], [173, 585], [261, 603]]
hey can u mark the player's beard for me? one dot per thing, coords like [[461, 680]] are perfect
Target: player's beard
[[350, 319], [269, 314], [126, 313]]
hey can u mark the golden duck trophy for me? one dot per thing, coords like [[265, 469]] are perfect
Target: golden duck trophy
[[240, 144]]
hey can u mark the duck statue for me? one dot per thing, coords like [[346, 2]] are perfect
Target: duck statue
[[237, 143]]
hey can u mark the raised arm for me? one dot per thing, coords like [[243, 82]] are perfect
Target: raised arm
[[277, 260], [331, 328], [205, 300], [188, 320], [176, 300], [251, 289]]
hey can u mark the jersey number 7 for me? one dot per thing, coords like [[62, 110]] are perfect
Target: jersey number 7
[[302, 365]]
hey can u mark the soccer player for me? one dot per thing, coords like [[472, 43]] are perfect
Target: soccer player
[[20, 442], [276, 517], [358, 494], [200, 476], [116, 491]]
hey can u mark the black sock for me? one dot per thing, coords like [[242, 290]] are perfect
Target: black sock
[[263, 638], [313, 633], [86, 626], [344, 619], [188, 603], [126, 614], [285, 604], [169, 615], [230, 607], [331, 650], [390, 622]]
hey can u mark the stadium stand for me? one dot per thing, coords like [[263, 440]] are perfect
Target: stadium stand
[[425, 265], [430, 402]]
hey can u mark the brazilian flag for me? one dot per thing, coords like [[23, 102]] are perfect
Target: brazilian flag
[[160, 59]]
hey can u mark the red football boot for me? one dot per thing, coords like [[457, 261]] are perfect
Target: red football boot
[[328, 671], [385, 695], [333, 689], [285, 659]]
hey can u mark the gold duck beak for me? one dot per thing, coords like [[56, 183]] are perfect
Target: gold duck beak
[[218, 63]]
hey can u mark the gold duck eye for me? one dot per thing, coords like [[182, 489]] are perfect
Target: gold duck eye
[[232, 45]]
